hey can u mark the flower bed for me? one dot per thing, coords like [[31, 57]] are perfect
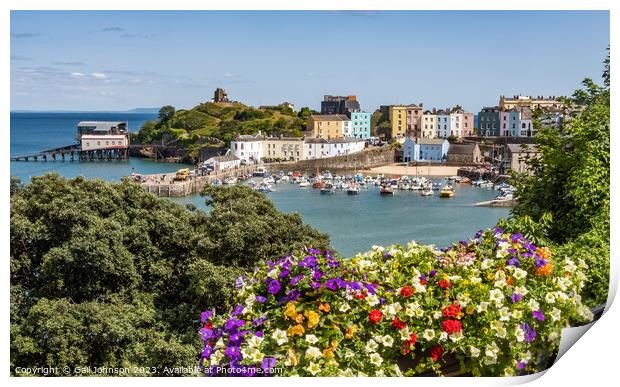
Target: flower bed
[[495, 303]]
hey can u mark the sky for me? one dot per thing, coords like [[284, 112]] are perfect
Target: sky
[[120, 60]]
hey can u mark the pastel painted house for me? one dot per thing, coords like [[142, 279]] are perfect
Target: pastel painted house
[[425, 149], [360, 125]]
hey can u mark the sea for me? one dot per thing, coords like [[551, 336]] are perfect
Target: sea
[[354, 222]]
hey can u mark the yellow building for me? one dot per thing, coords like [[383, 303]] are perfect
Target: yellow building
[[283, 148], [329, 126], [398, 118]]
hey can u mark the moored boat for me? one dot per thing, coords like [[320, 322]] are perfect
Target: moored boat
[[446, 192], [426, 192], [386, 190]]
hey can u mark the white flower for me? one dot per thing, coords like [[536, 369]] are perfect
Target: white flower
[[504, 314], [273, 273], [463, 299], [443, 336], [220, 343], [486, 264], [517, 314], [553, 337], [249, 302], [519, 334], [347, 372], [371, 346], [380, 373], [279, 336], [456, 336], [428, 334], [497, 296], [533, 304], [387, 340], [313, 353], [561, 296], [391, 310], [312, 339], [437, 315], [313, 368], [216, 358], [499, 329], [475, 352], [482, 307], [405, 334], [349, 354], [550, 298], [475, 280], [500, 283], [555, 314], [255, 341], [376, 359], [419, 288], [344, 307], [372, 300], [519, 273], [490, 353]]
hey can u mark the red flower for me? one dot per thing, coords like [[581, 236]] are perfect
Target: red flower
[[209, 325], [412, 339], [360, 296], [444, 283], [436, 352], [453, 310], [408, 344], [451, 326], [396, 323], [406, 291], [423, 281], [375, 316]]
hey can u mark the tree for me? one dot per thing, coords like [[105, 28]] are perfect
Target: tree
[[166, 113], [106, 274]]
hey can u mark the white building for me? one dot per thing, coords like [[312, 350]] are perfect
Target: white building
[[443, 123], [347, 129], [223, 163], [429, 125], [318, 148], [248, 148], [103, 141], [456, 124]]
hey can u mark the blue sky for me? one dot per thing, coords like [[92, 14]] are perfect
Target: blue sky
[[105, 60]]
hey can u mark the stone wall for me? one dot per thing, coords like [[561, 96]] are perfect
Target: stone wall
[[368, 158]]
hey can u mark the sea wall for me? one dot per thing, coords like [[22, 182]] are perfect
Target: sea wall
[[366, 159]]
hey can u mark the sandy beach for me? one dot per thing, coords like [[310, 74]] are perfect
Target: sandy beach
[[426, 170]]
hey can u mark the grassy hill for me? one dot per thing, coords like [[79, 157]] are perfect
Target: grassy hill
[[216, 124]]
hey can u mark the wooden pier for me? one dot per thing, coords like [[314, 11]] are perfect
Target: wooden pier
[[75, 152]]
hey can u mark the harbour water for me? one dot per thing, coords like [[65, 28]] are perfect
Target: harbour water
[[354, 223]]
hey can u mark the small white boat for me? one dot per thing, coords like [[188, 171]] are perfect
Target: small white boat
[[259, 172], [353, 190], [426, 192], [304, 184]]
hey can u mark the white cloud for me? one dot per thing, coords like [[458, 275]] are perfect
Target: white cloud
[[98, 75], [77, 75]]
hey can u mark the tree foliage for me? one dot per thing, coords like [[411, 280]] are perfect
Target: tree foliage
[[567, 190], [106, 274]]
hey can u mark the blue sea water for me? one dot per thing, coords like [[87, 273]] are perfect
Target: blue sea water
[[354, 223]]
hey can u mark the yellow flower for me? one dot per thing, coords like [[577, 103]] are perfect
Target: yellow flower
[[544, 252], [292, 357], [328, 353], [396, 264], [299, 318], [469, 310], [313, 318], [296, 330], [334, 344], [290, 311], [490, 276], [350, 332]]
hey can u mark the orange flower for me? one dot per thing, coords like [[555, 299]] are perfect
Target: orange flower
[[296, 330], [350, 332], [299, 318], [328, 353], [313, 318], [544, 252], [509, 281], [544, 270], [325, 308]]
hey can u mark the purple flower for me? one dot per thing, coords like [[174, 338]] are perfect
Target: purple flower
[[516, 297], [284, 273], [521, 365], [372, 288], [236, 338], [315, 285], [354, 285], [274, 286], [293, 295], [317, 275], [498, 230], [259, 334], [233, 352], [382, 300], [206, 315], [530, 333], [233, 323], [513, 262], [239, 281], [331, 284], [207, 351], [314, 251], [464, 243], [259, 321], [478, 234], [260, 298], [538, 315], [432, 273], [268, 362], [387, 255], [516, 237], [238, 310], [296, 279], [309, 261], [539, 262], [207, 334]]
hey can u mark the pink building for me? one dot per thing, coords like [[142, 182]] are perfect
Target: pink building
[[468, 124], [414, 119]]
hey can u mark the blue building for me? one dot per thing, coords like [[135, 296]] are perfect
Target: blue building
[[425, 149], [360, 125]]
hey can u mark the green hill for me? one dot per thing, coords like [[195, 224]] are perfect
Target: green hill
[[216, 124]]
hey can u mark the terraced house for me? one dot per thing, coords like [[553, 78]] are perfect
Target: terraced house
[[329, 126]]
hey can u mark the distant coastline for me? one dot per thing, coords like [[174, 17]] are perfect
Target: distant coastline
[[143, 110]]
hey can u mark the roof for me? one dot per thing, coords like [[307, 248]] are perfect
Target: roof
[[314, 140], [462, 149], [516, 148], [300, 139], [249, 137], [526, 113], [221, 159], [102, 125], [329, 117], [427, 141]]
